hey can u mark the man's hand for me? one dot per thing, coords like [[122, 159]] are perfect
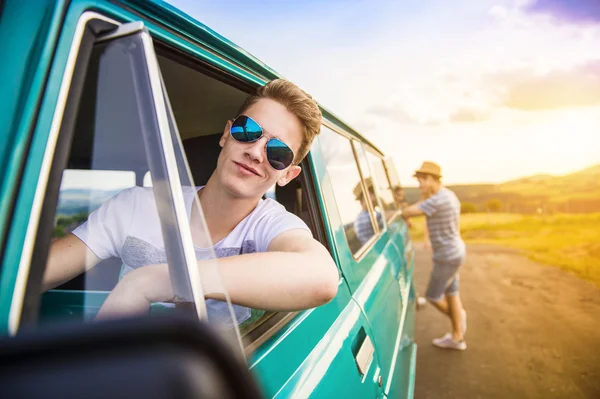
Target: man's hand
[[137, 290]]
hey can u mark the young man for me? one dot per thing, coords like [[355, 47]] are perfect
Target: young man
[[442, 210], [269, 261]]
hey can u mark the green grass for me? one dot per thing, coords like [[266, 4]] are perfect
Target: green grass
[[570, 241]]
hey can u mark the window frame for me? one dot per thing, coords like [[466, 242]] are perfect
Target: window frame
[[26, 295]]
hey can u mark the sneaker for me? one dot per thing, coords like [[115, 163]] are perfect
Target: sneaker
[[464, 321], [421, 302], [448, 343]]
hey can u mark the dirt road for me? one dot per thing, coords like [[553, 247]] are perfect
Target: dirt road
[[534, 332]]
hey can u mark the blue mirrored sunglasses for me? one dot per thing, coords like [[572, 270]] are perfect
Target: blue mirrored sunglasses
[[246, 130]]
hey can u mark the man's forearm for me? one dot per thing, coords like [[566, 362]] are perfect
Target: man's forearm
[[411, 211], [276, 281]]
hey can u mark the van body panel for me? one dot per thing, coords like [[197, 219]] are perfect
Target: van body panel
[[27, 42]]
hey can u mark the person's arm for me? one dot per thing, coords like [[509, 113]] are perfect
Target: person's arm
[[67, 258], [295, 273], [96, 239], [411, 211], [426, 241]]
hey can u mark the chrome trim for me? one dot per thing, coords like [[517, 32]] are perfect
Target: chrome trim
[[364, 357], [362, 251], [16, 306], [122, 30], [173, 176], [252, 346]]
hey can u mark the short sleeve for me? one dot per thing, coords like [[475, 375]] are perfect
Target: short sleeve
[[105, 230], [275, 221], [429, 206]]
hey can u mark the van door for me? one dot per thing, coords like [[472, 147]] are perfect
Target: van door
[[369, 260], [342, 363]]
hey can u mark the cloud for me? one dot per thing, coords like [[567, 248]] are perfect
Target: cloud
[[573, 11], [393, 113], [525, 90], [467, 115], [462, 114]]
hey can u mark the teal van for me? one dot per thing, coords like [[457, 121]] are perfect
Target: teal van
[[100, 96]]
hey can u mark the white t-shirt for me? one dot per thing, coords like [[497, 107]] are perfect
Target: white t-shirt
[[127, 226]]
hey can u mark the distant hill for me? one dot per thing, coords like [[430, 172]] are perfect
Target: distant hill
[[77, 201], [574, 193]]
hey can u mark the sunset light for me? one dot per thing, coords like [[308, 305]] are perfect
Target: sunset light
[[509, 89]]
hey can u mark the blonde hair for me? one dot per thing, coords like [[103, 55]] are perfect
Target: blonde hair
[[298, 102]]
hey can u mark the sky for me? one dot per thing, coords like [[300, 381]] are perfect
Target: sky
[[492, 90]]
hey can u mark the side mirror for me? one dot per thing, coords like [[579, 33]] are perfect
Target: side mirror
[[167, 356]]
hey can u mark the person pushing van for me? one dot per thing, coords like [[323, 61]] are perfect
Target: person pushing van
[[270, 260], [442, 210]]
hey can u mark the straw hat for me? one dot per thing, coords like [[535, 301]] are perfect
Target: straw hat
[[429, 168], [358, 192]]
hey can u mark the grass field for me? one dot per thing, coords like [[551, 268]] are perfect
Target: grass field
[[570, 241]]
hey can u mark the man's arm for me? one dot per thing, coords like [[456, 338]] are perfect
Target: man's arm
[[412, 210], [68, 257], [295, 273]]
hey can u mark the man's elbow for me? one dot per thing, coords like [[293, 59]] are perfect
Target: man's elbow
[[327, 286]]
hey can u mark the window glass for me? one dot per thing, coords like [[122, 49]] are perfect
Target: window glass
[[372, 195], [397, 189], [347, 187], [82, 192], [386, 197]]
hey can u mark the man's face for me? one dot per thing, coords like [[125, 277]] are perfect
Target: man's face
[[243, 168], [425, 184], [399, 195]]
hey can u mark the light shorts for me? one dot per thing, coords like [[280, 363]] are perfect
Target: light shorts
[[443, 279]]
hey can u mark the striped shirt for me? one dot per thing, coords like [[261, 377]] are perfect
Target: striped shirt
[[443, 213]]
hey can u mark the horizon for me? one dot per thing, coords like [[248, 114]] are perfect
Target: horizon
[[509, 89], [550, 175]]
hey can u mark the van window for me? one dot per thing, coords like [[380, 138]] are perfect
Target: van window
[[371, 190], [202, 104], [384, 190], [348, 188]]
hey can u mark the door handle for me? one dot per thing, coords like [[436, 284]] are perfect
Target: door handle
[[364, 356]]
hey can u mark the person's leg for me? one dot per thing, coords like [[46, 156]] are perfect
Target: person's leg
[[441, 305], [445, 275], [456, 315], [442, 276]]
